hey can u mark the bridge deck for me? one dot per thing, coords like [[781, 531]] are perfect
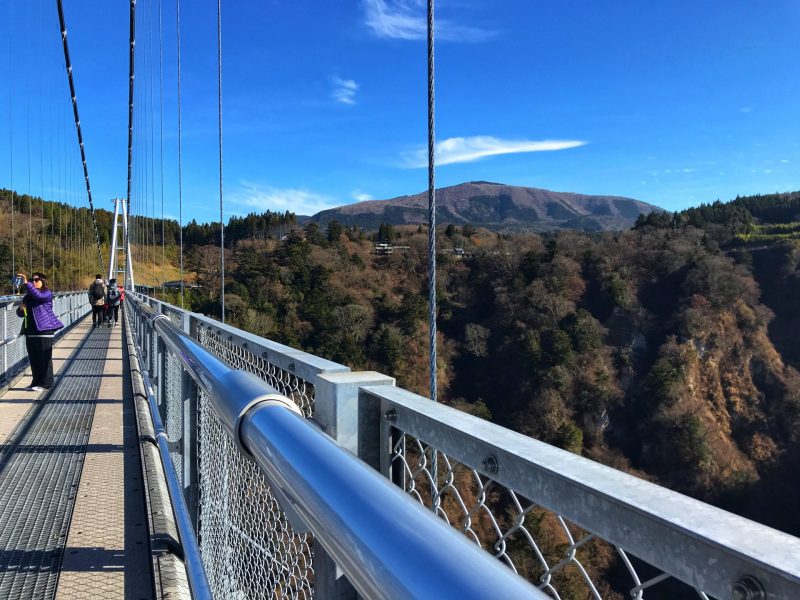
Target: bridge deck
[[72, 509]]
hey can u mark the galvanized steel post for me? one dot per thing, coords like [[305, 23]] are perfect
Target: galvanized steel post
[[351, 420], [189, 449], [5, 335]]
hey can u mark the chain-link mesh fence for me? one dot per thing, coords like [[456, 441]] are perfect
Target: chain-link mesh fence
[[172, 408], [301, 392], [175, 315], [249, 549], [562, 559], [68, 307], [13, 350]]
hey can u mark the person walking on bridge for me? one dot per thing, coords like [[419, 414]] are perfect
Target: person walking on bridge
[[39, 325], [97, 298], [113, 299]]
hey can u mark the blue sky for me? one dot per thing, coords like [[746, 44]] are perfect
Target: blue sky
[[324, 104]]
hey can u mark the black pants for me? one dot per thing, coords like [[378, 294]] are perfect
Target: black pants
[[40, 353], [113, 313], [98, 314]]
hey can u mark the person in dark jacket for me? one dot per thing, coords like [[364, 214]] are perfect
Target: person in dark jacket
[[113, 299], [39, 325], [97, 298]]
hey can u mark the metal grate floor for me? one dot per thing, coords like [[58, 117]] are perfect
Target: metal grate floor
[[40, 468]]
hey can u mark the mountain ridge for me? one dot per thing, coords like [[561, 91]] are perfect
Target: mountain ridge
[[496, 206]]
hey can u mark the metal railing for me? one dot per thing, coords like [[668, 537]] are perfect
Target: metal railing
[[69, 307], [573, 527], [387, 545]]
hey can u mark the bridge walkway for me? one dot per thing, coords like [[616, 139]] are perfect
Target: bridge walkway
[[72, 508]]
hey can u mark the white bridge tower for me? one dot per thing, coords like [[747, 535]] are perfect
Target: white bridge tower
[[114, 270]]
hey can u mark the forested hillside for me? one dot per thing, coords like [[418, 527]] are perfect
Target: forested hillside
[[59, 239]]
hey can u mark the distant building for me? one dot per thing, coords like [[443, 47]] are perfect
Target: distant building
[[386, 248], [462, 253], [176, 285], [382, 248]]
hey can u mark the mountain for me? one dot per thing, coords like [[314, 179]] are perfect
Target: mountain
[[496, 206]]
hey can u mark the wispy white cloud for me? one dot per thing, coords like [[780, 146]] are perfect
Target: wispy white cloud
[[360, 196], [468, 149], [266, 197], [344, 90], [673, 171], [746, 109], [406, 20]]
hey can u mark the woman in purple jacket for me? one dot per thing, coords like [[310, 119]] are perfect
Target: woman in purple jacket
[[39, 325]]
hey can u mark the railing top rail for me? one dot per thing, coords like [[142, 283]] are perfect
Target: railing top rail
[[700, 544], [10, 298], [387, 544]]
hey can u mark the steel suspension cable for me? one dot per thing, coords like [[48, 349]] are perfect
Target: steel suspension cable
[[432, 241], [132, 41], [221, 217], [152, 207], [41, 151], [11, 131], [145, 151], [142, 171], [161, 136], [29, 264], [51, 137], [180, 181], [431, 207], [78, 128]]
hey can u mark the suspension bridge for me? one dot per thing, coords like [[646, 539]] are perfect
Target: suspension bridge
[[180, 457]]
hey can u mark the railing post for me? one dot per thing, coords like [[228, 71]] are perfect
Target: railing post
[[5, 335], [161, 371], [187, 324], [189, 438], [189, 449], [353, 420]]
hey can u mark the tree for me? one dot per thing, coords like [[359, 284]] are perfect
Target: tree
[[389, 344], [334, 231], [205, 262], [413, 308], [476, 338], [314, 234], [584, 330], [5, 259], [386, 233]]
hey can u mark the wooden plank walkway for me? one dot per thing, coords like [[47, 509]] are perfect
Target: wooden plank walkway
[[103, 544]]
